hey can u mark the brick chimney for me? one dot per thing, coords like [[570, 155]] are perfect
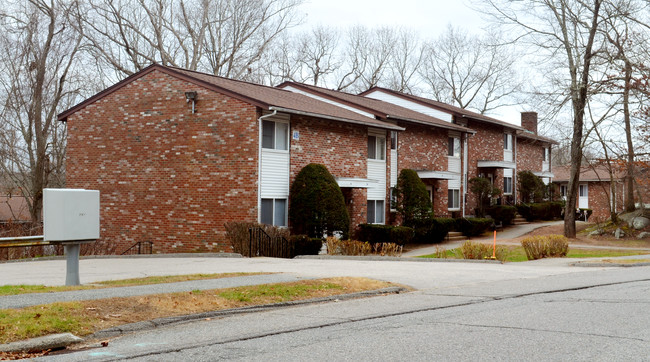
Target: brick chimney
[[529, 121]]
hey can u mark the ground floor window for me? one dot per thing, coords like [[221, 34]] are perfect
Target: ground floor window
[[563, 191], [507, 185], [274, 212], [375, 211], [453, 199]]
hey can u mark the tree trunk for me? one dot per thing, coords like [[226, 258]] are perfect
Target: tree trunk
[[629, 190]]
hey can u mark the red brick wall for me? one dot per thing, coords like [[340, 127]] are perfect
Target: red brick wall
[[342, 148], [529, 155], [425, 148], [599, 196], [486, 144], [164, 174]]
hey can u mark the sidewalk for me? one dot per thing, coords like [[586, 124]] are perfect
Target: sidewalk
[[510, 232]]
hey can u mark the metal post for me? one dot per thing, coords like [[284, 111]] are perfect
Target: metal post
[[71, 263]]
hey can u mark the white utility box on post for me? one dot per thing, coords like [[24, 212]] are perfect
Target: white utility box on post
[[71, 217]]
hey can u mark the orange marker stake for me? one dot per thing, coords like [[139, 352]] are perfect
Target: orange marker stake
[[494, 249]]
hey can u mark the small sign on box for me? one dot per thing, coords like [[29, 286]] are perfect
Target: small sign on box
[[296, 135]]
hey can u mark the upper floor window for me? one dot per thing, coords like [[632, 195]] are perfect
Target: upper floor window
[[275, 135], [507, 141], [376, 148], [453, 147]]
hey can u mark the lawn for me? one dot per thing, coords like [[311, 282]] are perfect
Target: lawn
[[516, 253], [86, 317]]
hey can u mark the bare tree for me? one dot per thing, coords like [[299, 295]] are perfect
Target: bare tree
[[565, 30], [39, 48], [470, 72], [223, 37], [405, 62], [317, 54]]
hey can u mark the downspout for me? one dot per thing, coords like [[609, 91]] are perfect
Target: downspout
[[259, 165], [465, 147], [514, 172]]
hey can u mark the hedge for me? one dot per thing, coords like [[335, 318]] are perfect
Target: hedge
[[375, 233], [304, 245], [433, 230], [473, 226], [541, 211], [502, 213]]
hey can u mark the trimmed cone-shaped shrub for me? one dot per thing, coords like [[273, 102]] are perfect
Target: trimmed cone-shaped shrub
[[531, 187], [316, 204], [412, 199]]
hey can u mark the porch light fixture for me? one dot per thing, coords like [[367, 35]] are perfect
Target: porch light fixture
[[191, 97]]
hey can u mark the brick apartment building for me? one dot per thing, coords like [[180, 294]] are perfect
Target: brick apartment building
[[176, 153]]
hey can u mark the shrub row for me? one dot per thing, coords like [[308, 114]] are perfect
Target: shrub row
[[479, 251], [502, 213], [433, 230], [473, 226], [374, 233], [547, 246], [354, 247], [541, 210]]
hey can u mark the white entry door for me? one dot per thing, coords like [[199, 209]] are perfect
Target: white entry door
[[583, 196]]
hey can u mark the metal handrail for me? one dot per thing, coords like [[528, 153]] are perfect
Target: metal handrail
[[16, 241]]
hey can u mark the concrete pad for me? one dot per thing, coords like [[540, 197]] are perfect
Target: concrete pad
[[53, 341]]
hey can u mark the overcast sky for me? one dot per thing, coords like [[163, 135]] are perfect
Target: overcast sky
[[428, 18]]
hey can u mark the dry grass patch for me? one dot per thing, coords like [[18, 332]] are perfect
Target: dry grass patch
[[86, 317]]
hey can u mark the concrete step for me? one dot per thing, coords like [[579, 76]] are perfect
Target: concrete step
[[519, 221], [454, 233], [457, 238]]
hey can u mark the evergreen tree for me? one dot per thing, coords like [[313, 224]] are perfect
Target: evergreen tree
[[412, 199], [316, 204]]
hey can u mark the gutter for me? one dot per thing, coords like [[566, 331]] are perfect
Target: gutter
[[451, 126], [346, 120]]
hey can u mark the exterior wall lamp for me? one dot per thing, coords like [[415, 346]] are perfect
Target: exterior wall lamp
[[191, 97]]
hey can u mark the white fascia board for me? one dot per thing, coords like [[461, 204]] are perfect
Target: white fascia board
[[496, 164], [440, 175], [544, 174], [356, 182], [326, 100], [417, 107]]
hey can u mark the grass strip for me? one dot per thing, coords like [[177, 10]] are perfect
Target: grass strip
[[516, 253], [26, 289], [86, 317]]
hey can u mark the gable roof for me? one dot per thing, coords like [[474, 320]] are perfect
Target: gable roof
[[267, 98], [588, 173], [381, 109], [457, 111]]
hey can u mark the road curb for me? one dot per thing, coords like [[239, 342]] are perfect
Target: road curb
[[396, 258], [161, 322], [602, 265]]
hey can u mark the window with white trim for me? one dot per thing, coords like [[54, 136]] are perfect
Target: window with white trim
[[453, 199], [274, 212], [507, 141], [453, 147], [275, 135], [375, 211], [563, 190], [545, 154], [393, 199], [507, 185], [583, 191], [376, 148]]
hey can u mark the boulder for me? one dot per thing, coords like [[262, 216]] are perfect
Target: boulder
[[619, 233], [597, 232], [640, 222], [643, 235]]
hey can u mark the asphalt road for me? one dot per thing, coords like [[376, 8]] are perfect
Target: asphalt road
[[529, 311]]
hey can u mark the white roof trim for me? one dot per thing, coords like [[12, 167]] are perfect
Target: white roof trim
[[496, 164], [544, 174], [356, 182], [440, 175]]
